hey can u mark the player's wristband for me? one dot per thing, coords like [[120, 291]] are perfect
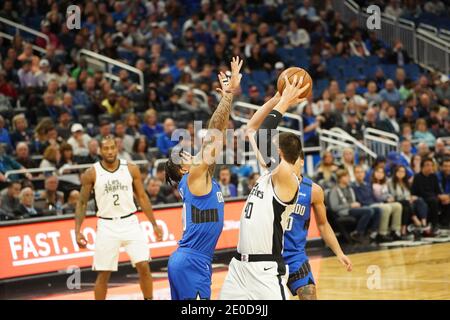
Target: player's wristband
[[272, 120]]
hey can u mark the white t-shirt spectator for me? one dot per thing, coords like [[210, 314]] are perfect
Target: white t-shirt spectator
[[80, 148], [299, 38]]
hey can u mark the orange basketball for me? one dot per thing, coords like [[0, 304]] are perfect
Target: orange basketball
[[291, 73]]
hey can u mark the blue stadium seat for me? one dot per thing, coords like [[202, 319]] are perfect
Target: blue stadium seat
[[412, 71]]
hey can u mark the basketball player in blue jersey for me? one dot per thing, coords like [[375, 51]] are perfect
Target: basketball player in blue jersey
[[310, 195], [189, 267]]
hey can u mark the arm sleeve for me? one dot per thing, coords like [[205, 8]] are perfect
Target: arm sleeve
[[267, 129]]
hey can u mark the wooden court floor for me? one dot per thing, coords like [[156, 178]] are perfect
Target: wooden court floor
[[421, 272]]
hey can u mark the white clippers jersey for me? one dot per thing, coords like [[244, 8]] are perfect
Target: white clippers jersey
[[263, 220], [114, 191]]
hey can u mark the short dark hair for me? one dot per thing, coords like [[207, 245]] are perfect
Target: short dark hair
[[291, 146], [107, 138], [173, 172], [425, 160], [222, 168]]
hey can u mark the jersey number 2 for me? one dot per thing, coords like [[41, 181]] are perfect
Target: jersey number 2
[[248, 210], [116, 199]]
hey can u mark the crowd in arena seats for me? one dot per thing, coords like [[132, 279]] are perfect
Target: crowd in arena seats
[[54, 107]]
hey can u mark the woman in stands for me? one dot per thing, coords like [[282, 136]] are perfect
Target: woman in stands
[[382, 194], [326, 171], [348, 162], [414, 208]]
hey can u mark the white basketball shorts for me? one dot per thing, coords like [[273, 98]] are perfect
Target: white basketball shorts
[[113, 234], [254, 281]]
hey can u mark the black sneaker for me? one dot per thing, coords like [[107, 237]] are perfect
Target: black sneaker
[[382, 239], [396, 237], [358, 238]]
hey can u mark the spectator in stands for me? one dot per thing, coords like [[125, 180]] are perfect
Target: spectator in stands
[[308, 11], [393, 8], [371, 119], [310, 125], [348, 162], [414, 209], [26, 76], [120, 132], [79, 97], [326, 171], [382, 194], [228, 189], [4, 134], [27, 56], [441, 152], [435, 7], [20, 130], [406, 150], [63, 127], [51, 158], [26, 207], [372, 96], [111, 104], [390, 93], [354, 126], [93, 155], [7, 163], [79, 140], [23, 155], [358, 47], [132, 125], [67, 156], [444, 175], [422, 133], [352, 97], [426, 186], [10, 199], [104, 129], [443, 91], [343, 202], [154, 191], [6, 87], [8, 11], [151, 128], [140, 149], [50, 201], [164, 140], [390, 124], [298, 37], [121, 152], [43, 74], [398, 55], [71, 205]]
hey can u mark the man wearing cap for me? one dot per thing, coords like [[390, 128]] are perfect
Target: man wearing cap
[[79, 140], [443, 91], [43, 75]]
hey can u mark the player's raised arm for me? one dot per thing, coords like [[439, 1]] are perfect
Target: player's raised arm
[[143, 200], [324, 227], [87, 183], [204, 162]]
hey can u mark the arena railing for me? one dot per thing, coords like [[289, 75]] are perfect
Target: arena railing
[[427, 47], [381, 142], [33, 170], [107, 65], [336, 139], [61, 171], [358, 144], [23, 28]]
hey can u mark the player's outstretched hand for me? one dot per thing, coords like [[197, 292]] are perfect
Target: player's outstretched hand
[[346, 262], [294, 90], [81, 240], [232, 84], [158, 232]]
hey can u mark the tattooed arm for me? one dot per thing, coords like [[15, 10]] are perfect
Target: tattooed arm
[[204, 163], [87, 183]]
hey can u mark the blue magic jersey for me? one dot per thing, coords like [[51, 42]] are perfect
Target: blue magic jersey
[[202, 218], [297, 230]]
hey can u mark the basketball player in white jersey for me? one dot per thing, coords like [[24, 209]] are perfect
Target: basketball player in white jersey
[[115, 182], [257, 271]]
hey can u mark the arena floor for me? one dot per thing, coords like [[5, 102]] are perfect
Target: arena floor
[[419, 272]]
